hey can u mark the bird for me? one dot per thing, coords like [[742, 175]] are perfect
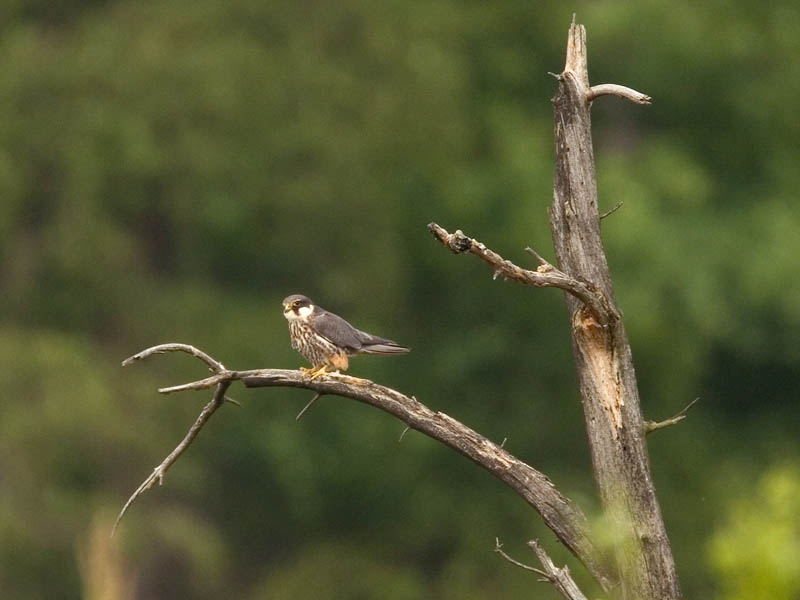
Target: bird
[[326, 340]]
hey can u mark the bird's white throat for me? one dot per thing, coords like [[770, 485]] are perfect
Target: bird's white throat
[[302, 313]]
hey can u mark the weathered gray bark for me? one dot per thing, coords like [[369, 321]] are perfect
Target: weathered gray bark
[[563, 517], [607, 379]]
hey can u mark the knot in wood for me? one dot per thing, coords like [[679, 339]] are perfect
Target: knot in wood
[[459, 243], [592, 330]]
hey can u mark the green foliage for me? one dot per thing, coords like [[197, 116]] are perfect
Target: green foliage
[[755, 550], [340, 571], [169, 172]]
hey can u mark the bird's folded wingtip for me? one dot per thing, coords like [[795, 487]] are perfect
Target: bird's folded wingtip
[[385, 349]]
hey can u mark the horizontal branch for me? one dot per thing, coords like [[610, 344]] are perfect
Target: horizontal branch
[[547, 275], [565, 520]]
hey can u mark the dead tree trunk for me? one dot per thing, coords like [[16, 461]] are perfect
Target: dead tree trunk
[[607, 379]]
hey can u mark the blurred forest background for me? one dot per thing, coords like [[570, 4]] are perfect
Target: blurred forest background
[[169, 171]]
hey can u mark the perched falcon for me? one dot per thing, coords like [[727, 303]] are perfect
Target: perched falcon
[[326, 340]]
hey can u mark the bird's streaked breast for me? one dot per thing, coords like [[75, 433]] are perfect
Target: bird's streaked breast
[[314, 348]]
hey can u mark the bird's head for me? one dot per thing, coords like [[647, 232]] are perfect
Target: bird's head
[[297, 308]]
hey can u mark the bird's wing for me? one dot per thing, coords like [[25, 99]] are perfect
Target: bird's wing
[[335, 329]]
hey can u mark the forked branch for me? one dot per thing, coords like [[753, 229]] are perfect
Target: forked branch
[[559, 577], [559, 514]]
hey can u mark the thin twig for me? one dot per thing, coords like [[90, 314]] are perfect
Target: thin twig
[[161, 470], [307, 406], [650, 426], [498, 548], [232, 401], [612, 210], [613, 89], [402, 435]]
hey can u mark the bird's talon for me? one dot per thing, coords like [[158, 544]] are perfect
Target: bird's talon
[[318, 372]]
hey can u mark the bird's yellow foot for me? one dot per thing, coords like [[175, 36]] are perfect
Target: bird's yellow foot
[[313, 373]]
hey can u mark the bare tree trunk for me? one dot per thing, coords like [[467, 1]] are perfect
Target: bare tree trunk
[[613, 417]]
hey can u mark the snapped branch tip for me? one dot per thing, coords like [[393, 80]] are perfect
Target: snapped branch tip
[[621, 91], [542, 261]]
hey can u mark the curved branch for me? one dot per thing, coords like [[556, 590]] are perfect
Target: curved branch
[[613, 89], [561, 516], [213, 365]]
